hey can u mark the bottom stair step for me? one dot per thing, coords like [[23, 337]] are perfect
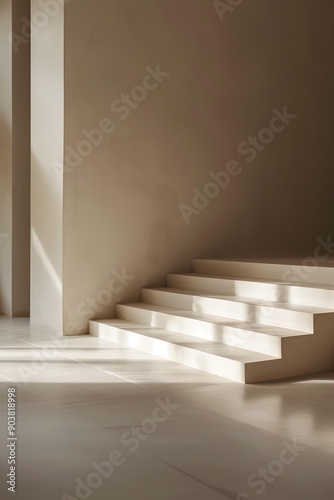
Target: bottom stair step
[[236, 364]]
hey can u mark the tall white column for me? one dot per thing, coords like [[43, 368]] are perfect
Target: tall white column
[[47, 131]]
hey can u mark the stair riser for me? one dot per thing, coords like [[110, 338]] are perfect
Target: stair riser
[[294, 274], [233, 370], [266, 315], [232, 336], [317, 356], [261, 291]]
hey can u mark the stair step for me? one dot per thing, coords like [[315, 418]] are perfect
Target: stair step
[[214, 358], [295, 271], [251, 336], [290, 316], [309, 294], [248, 321]]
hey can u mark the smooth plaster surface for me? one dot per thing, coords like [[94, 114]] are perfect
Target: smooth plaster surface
[[6, 161], [47, 110], [21, 166], [120, 204], [14, 163]]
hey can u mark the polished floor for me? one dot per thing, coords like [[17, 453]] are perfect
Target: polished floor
[[97, 420]]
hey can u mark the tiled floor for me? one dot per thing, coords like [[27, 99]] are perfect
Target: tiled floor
[[80, 399]]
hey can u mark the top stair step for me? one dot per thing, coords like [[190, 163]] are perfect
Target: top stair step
[[317, 269]]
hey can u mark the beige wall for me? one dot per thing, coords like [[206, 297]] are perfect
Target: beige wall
[[113, 224], [21, 166], [47, 105], [14, 163], [121, 202], [5, 160]]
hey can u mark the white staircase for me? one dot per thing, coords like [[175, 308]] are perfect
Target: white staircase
[[248, 321]]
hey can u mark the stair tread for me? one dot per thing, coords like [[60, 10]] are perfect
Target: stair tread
[[218, 320], [246, 300], [183, 340], [255, 280]]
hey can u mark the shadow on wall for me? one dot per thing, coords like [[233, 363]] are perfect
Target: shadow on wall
[[5, 217]]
